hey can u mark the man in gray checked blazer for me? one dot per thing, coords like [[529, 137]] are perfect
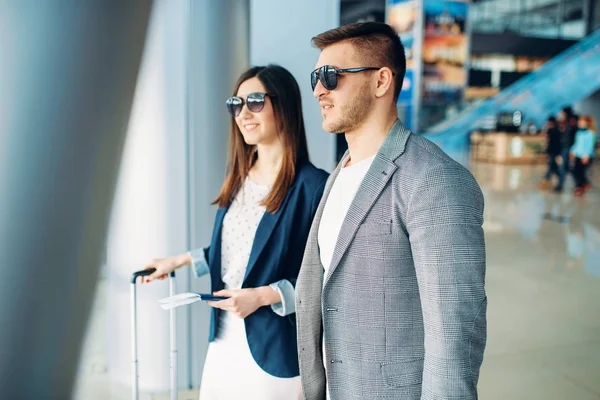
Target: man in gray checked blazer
[[390, 300]]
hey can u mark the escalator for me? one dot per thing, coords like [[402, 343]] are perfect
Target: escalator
[[566, 79]]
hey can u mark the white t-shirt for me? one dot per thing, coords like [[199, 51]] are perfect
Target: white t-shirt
[[338, 203]]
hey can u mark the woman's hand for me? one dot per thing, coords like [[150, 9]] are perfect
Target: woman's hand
[[243, 302], [164, 266], [585, 160]]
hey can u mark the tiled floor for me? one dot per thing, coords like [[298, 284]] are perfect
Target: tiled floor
[[543, 283]]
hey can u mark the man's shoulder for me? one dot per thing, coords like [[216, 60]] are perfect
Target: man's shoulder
[[424, 167], [422, 157]]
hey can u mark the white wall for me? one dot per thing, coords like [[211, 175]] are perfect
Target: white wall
[[280, 33]]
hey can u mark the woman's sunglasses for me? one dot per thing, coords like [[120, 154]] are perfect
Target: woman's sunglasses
[[328, 75], [254, 101]]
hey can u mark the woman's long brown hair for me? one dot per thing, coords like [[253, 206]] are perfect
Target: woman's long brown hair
[[287, 108]]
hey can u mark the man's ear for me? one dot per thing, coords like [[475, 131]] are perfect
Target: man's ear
[[385, 81]]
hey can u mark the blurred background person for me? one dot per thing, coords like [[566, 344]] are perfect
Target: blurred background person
[[582, 153], [266, 206], [553, 150], [567, 124]]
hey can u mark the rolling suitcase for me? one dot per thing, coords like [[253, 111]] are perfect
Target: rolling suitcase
[[173, 355]]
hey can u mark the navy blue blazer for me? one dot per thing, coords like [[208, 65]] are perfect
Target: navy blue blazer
[[276, 254]]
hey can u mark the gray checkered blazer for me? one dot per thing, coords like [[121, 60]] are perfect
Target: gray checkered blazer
[[403, 308]]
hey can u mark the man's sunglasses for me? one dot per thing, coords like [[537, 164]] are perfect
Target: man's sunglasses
[[254, 101], [328, 75]]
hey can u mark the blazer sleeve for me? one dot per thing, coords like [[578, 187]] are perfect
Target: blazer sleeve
[[444, 223], [200, 261]]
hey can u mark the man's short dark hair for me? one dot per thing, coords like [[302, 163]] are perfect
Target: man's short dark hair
[[376, 43]]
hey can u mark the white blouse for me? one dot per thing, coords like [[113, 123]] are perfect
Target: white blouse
[[239, 228]]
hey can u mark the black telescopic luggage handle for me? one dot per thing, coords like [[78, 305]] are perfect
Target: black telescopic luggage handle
[[146, 272]]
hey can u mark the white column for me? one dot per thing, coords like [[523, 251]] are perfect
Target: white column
[[280, 33], [218, 55], [150, 216], [173, 168]]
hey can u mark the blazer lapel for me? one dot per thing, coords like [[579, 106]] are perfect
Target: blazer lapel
[[368, 192], [215, 249], [264, 231], [312, 262], [371, 187]]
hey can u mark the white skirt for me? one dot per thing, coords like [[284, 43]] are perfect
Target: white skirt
[[230, 372]]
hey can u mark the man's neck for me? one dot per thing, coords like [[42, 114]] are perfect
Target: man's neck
[[365, 141]]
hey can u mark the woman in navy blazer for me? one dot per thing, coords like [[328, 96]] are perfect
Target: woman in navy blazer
[[266, 207]]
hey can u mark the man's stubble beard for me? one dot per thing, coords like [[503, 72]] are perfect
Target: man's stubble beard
[[353, 113]]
